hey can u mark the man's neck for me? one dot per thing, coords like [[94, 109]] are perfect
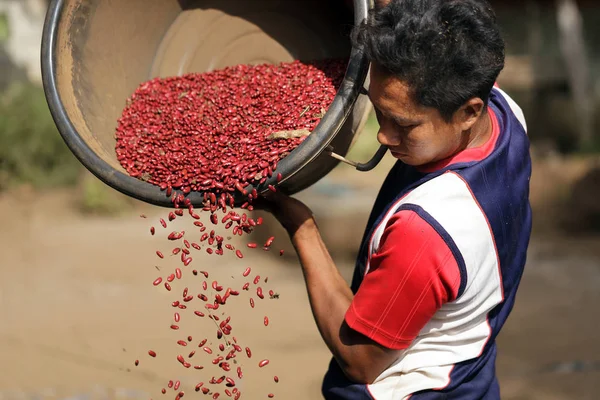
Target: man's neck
[[481, 131]]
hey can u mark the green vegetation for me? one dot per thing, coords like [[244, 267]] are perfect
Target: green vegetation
[[366, 143], [95, 197], [4, 28], [31, 149]]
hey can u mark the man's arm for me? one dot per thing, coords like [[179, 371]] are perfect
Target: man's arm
[[361, 358]]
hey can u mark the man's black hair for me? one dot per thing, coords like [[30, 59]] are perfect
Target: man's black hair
[[447, 51]]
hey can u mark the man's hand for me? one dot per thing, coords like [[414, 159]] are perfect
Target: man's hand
[[291, 213]]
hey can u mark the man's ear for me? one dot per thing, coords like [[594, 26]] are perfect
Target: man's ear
[[469, 113]]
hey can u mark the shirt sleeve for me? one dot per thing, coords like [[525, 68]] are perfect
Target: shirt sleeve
[[413, 273]]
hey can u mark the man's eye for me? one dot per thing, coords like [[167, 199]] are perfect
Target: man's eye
[[405, 127]]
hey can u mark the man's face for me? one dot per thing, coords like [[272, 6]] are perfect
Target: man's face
[[416, 135]]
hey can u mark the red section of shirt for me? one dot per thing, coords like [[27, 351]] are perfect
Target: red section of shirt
[[472, 154], [411, 276]]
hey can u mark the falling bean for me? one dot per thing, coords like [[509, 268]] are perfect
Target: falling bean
[[157, 281], [263, 363]]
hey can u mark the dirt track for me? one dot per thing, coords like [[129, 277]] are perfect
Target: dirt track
[[77, 307]]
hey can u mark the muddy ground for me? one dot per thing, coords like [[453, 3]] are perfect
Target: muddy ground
[[77, 306]]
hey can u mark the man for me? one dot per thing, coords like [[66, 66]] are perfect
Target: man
[[445, 245]]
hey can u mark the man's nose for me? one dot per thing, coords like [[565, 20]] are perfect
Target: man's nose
[[387, 137]]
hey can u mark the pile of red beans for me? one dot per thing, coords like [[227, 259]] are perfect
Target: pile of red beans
[[219, 132]]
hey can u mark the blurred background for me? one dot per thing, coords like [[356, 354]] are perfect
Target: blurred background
[[76, 262]]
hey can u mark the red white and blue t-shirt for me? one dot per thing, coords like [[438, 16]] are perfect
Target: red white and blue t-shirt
[[439, 267]]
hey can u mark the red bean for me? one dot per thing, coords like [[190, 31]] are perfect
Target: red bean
[[167, 286], [163, 223], [281, 252], [171, 278], [251, 302], [182, 343], [256, 279], [152, 230], [163, 390], [159, 254], [271, 395], [239, 372], [251, 245], [176, 317], [198, 313], [208, 350], [157, 281], [239, 254], [151, 353], [198, 367], [216, 395], [276, 379], [202, 343], [263, 363], [178, 273], [246, 286], [174, 327], [266, 321], [177, 384], [269, 241], [191, 354], [136, 362], [198, 386], [248, 352], [246, 272], [259, 293], [204, 273], [176, 251]]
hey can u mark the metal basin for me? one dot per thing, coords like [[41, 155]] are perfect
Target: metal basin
[[96, 52]]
